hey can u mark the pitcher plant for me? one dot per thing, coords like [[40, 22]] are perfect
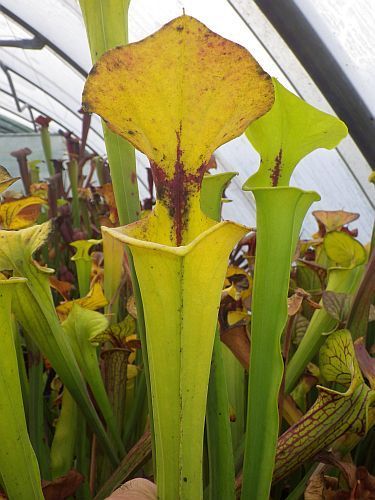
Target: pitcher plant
[[289, 131], [176, 96]]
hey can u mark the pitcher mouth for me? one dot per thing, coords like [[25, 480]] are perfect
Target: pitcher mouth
[[274, 189], [135, 234], [12, 280]]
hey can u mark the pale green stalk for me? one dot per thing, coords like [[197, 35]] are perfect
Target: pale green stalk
[[107, 26], [113, 275], [47, 149], [280, 212], [63, 444], [21, 368], [36, 408], [83, 457], [82, 260], [73, 177], [134, 410], [81, 325], [18, 465], [219, 439], [283, 136], [180, 255], [235, 378]]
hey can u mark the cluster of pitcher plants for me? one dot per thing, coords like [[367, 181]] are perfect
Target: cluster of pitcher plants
[[216, 360]]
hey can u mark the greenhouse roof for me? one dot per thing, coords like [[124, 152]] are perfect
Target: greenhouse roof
[[321, 50]]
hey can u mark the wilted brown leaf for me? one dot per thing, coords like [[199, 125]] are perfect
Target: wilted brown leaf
[[295, 301], [63, 487], [333, 220], [237, 340], [107, 192], [131, 306], [63, 287]]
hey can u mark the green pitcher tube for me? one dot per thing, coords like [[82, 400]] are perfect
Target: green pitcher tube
[[18, 465], [280, 212], [340, 280]]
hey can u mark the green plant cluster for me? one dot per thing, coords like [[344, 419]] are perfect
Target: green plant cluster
[[151, 339]]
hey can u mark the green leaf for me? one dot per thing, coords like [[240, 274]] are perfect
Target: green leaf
[[213, 187], [18, 464], [64, 438], [344, 250], [340, 280], [337, 304], [81, 325], [337, 360], [288, 132]]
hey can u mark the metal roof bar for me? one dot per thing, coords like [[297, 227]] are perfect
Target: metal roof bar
[[34, 43], [44, 40], [30, 107], [324, 69]]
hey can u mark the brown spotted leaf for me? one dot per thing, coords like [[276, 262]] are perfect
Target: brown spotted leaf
[[149, 92], [107, 192], [6, 179], [63, 287], [176, 96], [62, 487]]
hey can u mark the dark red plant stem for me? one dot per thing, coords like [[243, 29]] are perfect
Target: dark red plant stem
[[21, 157], [86, 120], [358, 317]]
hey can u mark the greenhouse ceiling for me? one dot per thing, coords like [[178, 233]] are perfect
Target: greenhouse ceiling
[[319, 49]]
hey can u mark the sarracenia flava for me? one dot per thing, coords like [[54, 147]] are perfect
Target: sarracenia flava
[[177, 96], [283, 136]]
